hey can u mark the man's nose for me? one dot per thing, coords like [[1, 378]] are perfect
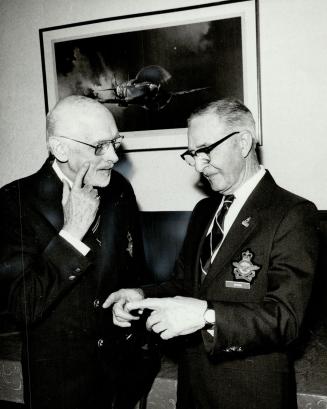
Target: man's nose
[[111, 155], [200, 164]]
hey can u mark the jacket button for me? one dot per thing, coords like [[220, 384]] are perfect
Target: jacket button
[[100, 342], [71, 277], [96, 303], [77, 270]]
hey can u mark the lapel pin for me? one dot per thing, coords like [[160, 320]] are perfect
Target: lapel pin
[[246, 222]]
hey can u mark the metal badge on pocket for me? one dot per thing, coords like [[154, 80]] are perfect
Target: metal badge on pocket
[[243, 270]]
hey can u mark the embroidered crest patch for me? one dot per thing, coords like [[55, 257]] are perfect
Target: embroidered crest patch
[[245, 269]]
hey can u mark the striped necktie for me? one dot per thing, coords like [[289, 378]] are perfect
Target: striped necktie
[[94, 229], [214, 238], [93, 237]]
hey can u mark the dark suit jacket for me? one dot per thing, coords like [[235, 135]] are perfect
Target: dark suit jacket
[[245, 364], [72, 352]]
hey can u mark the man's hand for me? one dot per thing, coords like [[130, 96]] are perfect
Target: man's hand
[[172, 317], [120, 316], [80, 205]]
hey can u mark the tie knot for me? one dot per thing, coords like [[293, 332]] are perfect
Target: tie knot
[[228, 200]]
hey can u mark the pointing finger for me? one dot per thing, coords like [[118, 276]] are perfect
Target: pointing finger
[[113, 297], [80, 175], [150, 303]]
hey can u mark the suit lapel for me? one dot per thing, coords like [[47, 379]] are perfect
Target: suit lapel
[[244, 224], [236, 236], [48, 194], [110, 231], [45, 194]]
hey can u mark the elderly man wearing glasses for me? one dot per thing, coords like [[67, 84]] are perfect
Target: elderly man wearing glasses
[[69, 235], [243, 278]]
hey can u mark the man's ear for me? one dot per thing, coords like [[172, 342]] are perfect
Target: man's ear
[[246, 142], [58, 149]]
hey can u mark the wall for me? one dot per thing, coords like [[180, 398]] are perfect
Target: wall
[[294, 85]]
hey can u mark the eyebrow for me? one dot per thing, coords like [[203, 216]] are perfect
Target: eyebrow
[[117, 136], [198, 147]]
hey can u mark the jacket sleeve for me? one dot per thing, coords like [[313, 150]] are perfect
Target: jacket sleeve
[[35, 273], [274, 322]]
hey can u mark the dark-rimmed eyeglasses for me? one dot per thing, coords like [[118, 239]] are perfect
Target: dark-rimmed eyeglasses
[[102, 147], [189, 156]]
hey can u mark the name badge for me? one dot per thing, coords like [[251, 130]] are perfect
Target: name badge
[[237, 284]]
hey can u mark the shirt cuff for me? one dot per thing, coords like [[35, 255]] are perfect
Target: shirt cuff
[[81, 247]]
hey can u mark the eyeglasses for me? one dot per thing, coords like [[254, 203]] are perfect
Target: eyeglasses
[[102, 147], [189, 156]]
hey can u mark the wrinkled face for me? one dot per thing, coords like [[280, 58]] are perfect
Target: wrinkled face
[[94, 127], [224, 167]]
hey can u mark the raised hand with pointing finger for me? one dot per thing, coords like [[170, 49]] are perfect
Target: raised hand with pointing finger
[[80, 204]]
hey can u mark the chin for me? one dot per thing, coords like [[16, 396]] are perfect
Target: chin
[[214, 185], [101, 181], [216, 189], [217, 183]]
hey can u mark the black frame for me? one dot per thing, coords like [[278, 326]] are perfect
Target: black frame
[[133, 147]]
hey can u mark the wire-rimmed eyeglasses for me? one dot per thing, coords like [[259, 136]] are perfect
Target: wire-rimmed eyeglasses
[[189, 156], [102, 147]]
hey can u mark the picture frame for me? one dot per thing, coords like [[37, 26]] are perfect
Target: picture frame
[[191, 55]]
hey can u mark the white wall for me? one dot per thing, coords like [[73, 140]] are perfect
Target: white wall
[[294, 89], [294, 85]]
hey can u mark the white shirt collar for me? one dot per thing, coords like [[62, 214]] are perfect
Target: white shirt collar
[[60, 174], [241, 195]]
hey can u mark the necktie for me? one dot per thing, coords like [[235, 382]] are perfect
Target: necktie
[[214, 238], [95, 231], [92, 238]]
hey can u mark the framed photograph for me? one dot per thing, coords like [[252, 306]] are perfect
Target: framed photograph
[[153, 69]]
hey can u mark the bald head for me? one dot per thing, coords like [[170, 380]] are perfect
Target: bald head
[[76, 114], [76, 127]]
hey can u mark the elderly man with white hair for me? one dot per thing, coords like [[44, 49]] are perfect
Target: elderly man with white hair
[[69, 236]]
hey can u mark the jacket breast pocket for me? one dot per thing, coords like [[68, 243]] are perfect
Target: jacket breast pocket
[[243, 279]]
